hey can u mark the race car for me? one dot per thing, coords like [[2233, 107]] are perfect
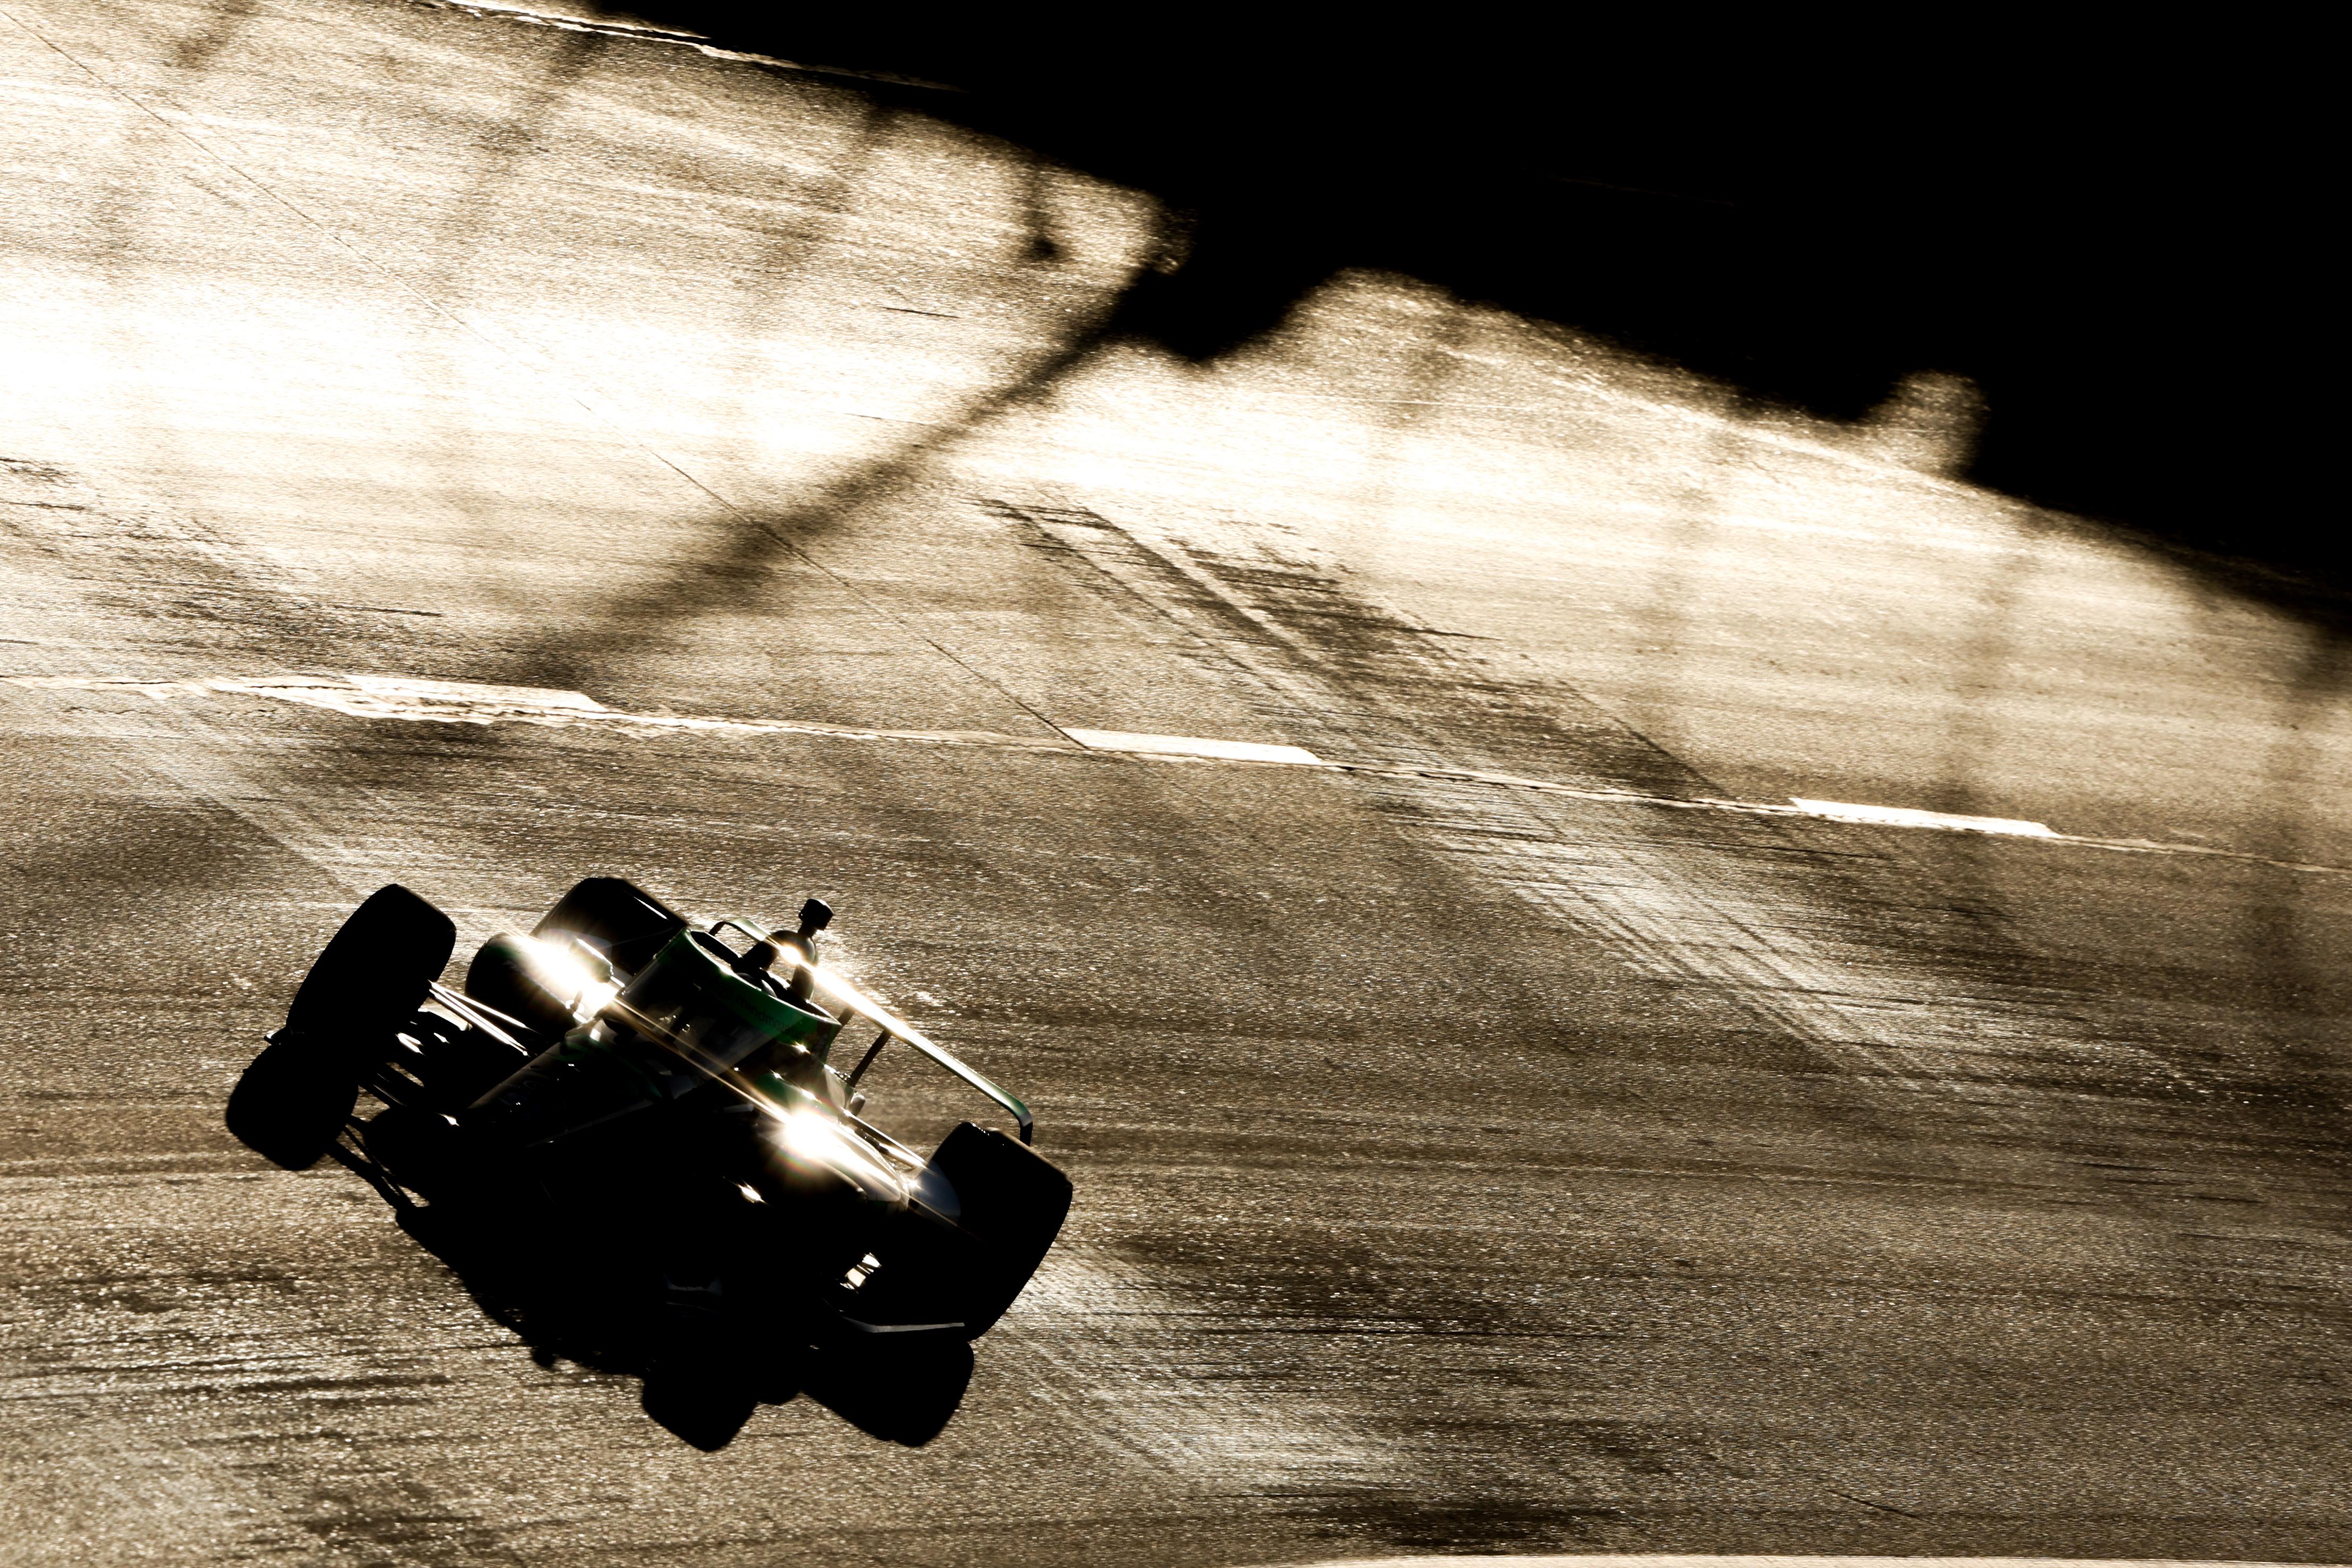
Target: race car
[[665, 1093]]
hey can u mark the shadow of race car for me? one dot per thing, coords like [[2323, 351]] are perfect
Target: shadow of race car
[[662, 1097]]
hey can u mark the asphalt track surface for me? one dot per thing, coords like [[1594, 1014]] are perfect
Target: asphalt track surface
[[1463, 1167]]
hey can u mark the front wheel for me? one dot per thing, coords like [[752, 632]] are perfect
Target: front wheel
[[293, 1100], [1014, 1203]]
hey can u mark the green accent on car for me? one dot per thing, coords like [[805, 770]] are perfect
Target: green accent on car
[[714, 983]]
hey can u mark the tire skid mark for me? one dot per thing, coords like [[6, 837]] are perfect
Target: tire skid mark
[[1753, 910], [198, 757], [699, 43]]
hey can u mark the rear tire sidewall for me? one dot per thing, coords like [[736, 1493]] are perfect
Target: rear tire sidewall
[[292, 1102], [377, 970]]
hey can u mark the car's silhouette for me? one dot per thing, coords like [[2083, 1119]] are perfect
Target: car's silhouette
[[651, 1091]]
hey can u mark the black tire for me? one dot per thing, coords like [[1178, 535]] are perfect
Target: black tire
[[508, 976], [376, 970], [629, 923], [293, 1100], [1014, 1203], [901, 1388], [699, 1385]]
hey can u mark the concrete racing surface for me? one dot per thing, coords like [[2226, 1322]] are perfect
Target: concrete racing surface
[[1617, 1560], [1350, 786]]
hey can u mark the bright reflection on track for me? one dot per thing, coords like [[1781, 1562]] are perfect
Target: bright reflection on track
[[1521, 1129]]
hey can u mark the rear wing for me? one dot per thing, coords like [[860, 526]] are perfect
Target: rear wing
[[839, 988]]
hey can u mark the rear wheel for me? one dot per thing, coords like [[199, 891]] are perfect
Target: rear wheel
[[1014, 1202], [293, 1100], [621, 919], [511, 975], [377, 970]]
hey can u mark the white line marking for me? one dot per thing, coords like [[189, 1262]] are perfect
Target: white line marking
[[205, 759], [1192, 746], [418, 700], [1904, 817], [466, 702], [476, 691]]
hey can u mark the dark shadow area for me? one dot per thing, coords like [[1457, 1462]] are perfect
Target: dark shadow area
[[737, 569], [2106, 228], [593, 1302]]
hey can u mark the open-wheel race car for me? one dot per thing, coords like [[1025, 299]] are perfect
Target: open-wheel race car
[[665, 1098]]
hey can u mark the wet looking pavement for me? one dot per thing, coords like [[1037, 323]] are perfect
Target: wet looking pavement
[[1461, 1167]]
